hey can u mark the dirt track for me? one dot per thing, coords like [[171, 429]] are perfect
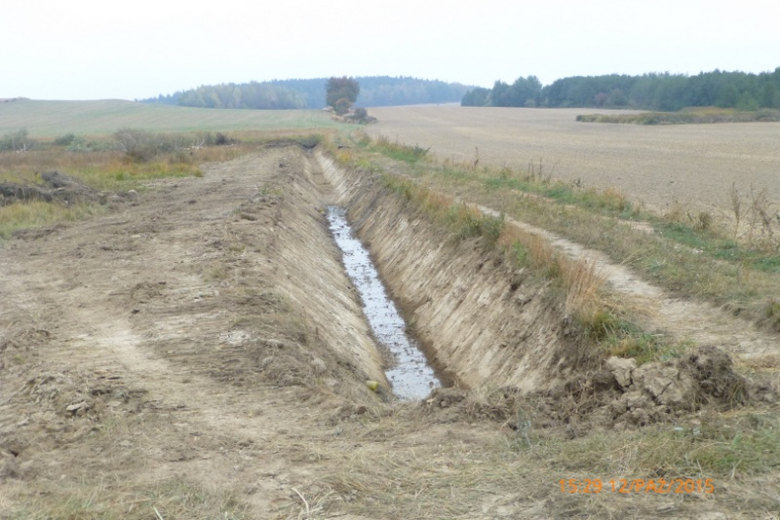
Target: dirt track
[[169, 322], [167, 358]]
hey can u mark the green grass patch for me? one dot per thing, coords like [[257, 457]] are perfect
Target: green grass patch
[[614, 335], [609, 200], [720, 447], [37, 214], [717, 247], [398, 151]]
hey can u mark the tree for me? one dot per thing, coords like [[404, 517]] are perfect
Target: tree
[[525, 92], [477, 97], [341, 93]]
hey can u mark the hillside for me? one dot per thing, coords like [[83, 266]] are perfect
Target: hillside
[[55, 118]]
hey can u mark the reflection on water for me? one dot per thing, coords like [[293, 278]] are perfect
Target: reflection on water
[[412, 377]]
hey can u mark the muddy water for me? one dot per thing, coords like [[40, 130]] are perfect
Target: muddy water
[[411, 377]]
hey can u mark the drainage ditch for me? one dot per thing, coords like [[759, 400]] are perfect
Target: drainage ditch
[[411, 377]]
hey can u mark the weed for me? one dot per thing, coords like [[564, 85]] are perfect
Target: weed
[[520, 253], [702, 221], [65, 140], [398, 151], [583, 287], [34, 214]]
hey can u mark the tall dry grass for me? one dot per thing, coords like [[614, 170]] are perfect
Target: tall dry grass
[[581, 280], [104, 166]]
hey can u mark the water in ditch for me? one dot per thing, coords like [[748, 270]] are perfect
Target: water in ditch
[[411, 377]]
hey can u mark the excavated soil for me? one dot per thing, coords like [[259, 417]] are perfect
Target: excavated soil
[[200, 352], [53, 186]]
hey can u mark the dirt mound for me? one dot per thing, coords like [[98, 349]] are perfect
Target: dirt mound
[[619, 396], [657, 391], [53, 186]]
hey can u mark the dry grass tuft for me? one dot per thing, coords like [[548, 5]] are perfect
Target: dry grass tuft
[[584, 285], [582, 281]]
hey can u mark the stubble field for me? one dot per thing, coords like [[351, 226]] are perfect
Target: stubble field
[[657, 165]]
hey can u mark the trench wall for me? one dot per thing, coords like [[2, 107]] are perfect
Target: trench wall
[[474, 323], [307, 269]]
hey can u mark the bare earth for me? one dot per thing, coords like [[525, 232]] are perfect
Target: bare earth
[[150, 352], [654, 164], [168, 360]]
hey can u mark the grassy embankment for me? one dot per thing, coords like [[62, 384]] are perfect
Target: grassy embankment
[[686, 253], [607, 321]]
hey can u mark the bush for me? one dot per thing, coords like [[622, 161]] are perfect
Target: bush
[[223, 140], [16, 141], [342, 106], [65, 140], [141, 146], [309, 141]]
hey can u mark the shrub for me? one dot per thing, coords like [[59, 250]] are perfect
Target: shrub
[[16, 141], [223, 140], [65, 140], [342, 106]]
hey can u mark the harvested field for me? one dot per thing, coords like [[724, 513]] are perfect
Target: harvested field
[[690, 164], [54, 118]]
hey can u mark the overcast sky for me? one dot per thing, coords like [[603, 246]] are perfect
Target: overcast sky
[[97, 49]]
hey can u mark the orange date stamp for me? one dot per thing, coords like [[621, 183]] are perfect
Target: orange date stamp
[[637, 485]]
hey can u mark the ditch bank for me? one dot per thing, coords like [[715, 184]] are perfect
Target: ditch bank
[[478, 320], [488, 325]]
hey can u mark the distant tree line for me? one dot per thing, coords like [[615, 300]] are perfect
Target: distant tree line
[[665, 92], [310, 93], [232, 95]]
